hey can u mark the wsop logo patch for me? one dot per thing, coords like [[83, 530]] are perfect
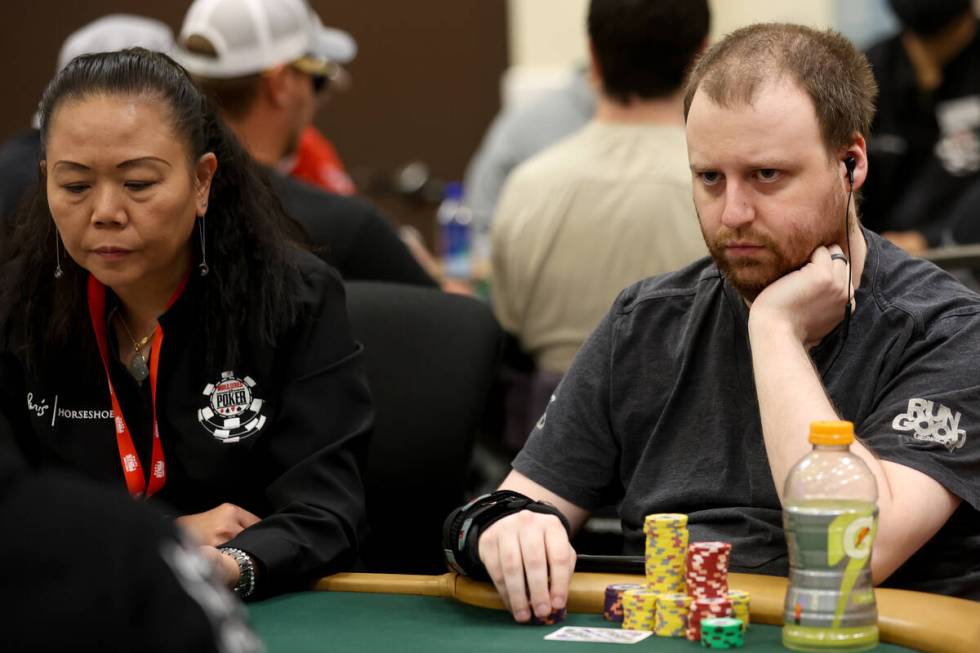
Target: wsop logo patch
[[233, 412]]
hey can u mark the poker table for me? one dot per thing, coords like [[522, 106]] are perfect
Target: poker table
[[394, 613]]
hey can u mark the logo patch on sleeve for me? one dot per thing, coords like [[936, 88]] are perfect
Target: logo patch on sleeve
[[931, 422], [233, 412]]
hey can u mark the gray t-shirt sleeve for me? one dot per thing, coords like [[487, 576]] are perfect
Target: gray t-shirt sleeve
[[572, 451], [928, 416]]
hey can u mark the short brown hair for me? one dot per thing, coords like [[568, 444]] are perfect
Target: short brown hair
[[234, 96], [835, 75]]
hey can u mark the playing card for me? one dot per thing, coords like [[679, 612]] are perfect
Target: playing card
[[601, 635]]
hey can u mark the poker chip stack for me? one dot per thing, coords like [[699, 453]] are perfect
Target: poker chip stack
[[740, 606], [556, 616], [722, 632], [707, 569], [665, 552], [671, 617], [613, 607], [706, 608], [639, 609], [684, 585]]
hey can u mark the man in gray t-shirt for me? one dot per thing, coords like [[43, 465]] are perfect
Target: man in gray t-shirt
[[697, 391], [659, 412]]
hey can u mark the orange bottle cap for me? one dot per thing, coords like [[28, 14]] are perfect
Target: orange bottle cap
[[832, 433]]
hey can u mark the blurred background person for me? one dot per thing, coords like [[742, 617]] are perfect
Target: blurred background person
[[316, 160], [264, 63], [610, 204], [519, 132], [925, 141]]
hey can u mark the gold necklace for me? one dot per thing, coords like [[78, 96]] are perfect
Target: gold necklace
[[137, 366]]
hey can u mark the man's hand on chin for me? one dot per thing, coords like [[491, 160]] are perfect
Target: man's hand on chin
[[805, 304]]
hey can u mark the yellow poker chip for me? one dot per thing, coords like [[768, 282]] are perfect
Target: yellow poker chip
[[666, 551], [740, 606], [678, 520]]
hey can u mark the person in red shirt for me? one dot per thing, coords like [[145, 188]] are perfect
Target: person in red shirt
[[317, 163]]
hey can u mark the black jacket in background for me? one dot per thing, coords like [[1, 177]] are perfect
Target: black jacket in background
[[19, 158], [350, 234]]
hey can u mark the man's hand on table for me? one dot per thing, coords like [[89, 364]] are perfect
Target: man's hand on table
[[218, 525], [532, 546]]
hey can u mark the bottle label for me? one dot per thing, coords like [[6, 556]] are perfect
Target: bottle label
[[850, 537], [830, 593]]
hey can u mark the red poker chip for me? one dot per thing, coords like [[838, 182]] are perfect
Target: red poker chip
[[702, 608]]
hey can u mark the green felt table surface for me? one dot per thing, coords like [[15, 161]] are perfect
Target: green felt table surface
[[390, 623]]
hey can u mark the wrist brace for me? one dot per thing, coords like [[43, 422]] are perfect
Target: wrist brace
[[463, 527]]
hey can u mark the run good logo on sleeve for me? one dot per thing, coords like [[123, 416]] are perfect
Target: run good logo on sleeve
[[931, 422]]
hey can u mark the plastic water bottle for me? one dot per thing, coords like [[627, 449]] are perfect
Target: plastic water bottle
[[830, 515], [455, 221]]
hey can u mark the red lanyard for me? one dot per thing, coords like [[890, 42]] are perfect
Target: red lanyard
[[132, 469]]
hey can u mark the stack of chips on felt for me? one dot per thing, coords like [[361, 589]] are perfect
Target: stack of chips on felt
[[705, 608], [707, 584], [740, 606], [613, 606], [666, 547], [707, 569], [639, 609], [685, 586], [722, 632], [671, 618], [666, 544], [556, 616]]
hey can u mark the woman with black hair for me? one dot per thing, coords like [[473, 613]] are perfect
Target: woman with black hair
[[162, 335]]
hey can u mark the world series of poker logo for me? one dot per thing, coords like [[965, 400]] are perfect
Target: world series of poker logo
[[233, 412]]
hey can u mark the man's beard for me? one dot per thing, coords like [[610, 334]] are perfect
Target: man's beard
[[751, 275]]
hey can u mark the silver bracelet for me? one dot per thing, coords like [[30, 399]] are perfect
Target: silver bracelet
[[246, 571]]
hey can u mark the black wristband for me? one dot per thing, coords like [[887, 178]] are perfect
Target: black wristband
[[463, 527]]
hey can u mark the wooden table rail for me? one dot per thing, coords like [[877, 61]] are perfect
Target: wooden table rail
[[927, 622]]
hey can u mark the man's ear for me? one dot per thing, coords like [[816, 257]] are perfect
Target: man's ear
[[274, 85], [858, 150]]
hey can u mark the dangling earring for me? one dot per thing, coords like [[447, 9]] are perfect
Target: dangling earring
[[58, 272], [203, 265]]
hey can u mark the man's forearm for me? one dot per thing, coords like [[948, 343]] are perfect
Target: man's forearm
[[791, 396]]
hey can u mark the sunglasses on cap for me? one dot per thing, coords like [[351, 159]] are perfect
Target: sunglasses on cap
[[320, 71]]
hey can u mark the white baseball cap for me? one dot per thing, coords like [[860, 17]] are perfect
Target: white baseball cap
[[111, 33], [250, 36], [116, 32]]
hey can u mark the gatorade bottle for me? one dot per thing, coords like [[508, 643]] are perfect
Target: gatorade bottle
[[830, 515], [454, 225]]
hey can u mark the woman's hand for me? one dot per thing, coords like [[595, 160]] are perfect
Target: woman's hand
[[228, 572], [218, 525]]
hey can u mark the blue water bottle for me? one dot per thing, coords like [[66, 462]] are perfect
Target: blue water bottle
[[455, 223]]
